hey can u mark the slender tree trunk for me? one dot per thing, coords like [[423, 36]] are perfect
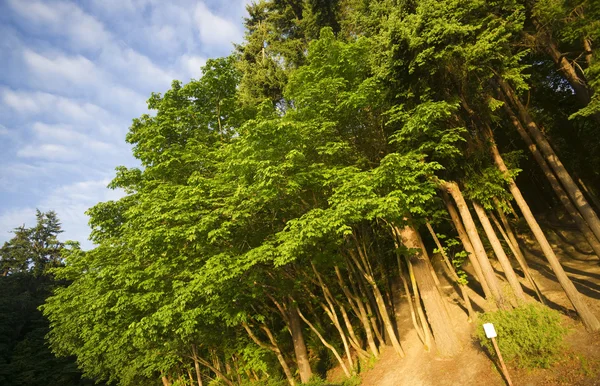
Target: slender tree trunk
[[370, 304], [359, 309], [273, 347], [464, 238], [587, 46], [453, 274], [587, 317], [191, 377], [471, 230], [445, 338], [409, 299], [560, 192], [197, 365], [331, 312], [579, 84], [216, 371], [590, 194], [499, 251], [516, 251], [299, 346], [367, 274], [326, 344], [165, 381], [420, 311], [565, 178], [372, 314]]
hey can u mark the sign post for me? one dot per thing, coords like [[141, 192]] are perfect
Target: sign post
[[490, 333]]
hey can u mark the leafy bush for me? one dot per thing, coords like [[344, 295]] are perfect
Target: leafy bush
[[531, 335]]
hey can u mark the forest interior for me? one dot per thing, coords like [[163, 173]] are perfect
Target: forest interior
[[344, 200]]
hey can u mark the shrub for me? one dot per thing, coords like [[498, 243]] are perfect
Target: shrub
[[530, 336]]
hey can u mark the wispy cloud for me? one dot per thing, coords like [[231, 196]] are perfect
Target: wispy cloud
[[73, 76]]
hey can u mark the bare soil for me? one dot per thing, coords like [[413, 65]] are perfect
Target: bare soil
[[578, 365]]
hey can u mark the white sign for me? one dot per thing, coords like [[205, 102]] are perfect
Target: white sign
[[490, 331]]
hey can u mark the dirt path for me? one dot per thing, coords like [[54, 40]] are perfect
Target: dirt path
[[580, 365]]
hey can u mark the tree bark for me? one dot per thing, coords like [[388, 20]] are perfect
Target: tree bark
[[565, 178], [215, 370], [588, 318], [427, 334], [464, 238], [326, 344], [516, 251], [499, 252], [471, 230], [331, 312], [455, 277], [359, 309], [197, 365], [441, 325], [560, 192], [273, 347], [590, 194], [409, 299], [299, 345], [367, 274]]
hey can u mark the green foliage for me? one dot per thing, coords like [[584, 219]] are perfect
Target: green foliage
[[333, 121], [27, 260], [530, 335]]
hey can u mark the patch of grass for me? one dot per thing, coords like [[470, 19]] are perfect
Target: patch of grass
[[530, 336]]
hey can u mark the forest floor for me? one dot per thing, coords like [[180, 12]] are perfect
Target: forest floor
[[578, 365]]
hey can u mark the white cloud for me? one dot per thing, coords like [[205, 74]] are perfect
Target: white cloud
[[64, 19], [213, 29], [76, 72], [191, 65], [49, 151], [77, 69], [70, 202], [66, 134], [14, 218], [56, 106]]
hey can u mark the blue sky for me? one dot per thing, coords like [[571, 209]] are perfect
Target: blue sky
[[73, 74]]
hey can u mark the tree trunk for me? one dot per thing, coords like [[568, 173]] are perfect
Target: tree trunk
[[455, 277], [587, 317], [590, 194], [516, 251], [216, 371], [368, 275], [197, 365], [273, 347], [579, 84], [560, 192], [471, 230], [565, 178], [419, 307], [299, 346], [464, 238], [331, 312], [326, 344], [409, 299], [499, 251], [165, 381], [359, 310], [445, 338]]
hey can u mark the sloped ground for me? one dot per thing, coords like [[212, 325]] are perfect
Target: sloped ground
[[580, 364]]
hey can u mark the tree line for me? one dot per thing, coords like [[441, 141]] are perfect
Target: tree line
[[287, 196]]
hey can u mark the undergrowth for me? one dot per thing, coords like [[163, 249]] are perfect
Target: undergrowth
[[530, 336], [314, 381]]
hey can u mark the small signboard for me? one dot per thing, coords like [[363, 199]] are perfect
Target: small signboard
[[490, 331]]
